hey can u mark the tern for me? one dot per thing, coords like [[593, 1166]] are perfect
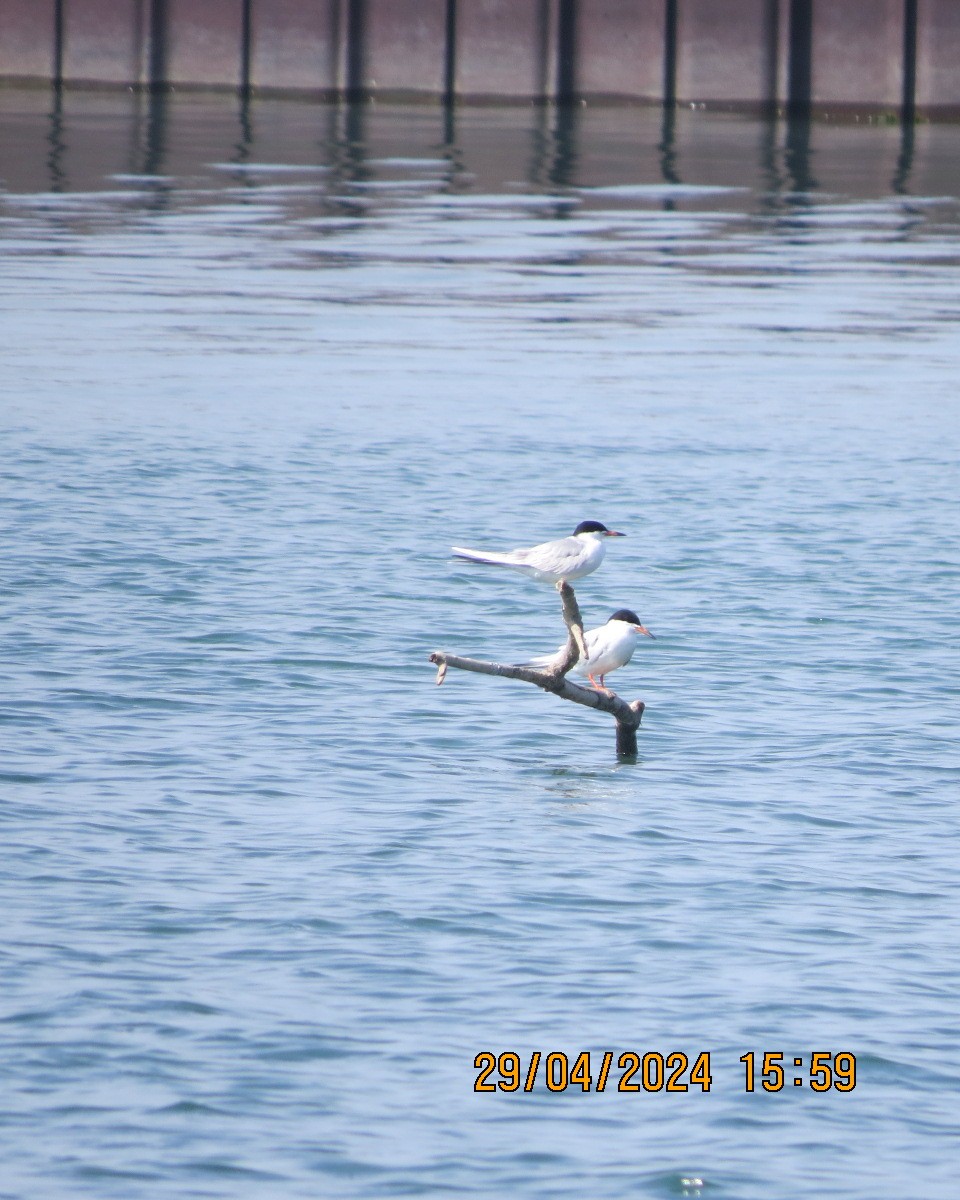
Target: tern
[[553, 562], [608, 647]]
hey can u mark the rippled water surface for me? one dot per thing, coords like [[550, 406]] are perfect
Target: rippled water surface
[[267, 890]]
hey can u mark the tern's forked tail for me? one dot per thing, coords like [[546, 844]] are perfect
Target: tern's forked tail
[[494, 560]]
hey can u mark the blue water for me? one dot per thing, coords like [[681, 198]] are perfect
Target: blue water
[[267, 890]]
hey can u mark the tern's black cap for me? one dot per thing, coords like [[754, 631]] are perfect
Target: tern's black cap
[[590, 527], [624, 614]]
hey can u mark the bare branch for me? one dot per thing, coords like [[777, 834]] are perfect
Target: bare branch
[[554, 679], [576, 647], [627, 715], [627, 734]]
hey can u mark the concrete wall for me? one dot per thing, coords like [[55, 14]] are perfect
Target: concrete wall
[[27, 39], [880, 54]]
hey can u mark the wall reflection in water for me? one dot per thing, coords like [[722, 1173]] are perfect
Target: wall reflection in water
[[64, 140]]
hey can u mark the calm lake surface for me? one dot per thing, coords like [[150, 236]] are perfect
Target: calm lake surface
[[267, 890]]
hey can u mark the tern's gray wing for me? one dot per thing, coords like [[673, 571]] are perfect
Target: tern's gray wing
[[555, 557], [547, 660]]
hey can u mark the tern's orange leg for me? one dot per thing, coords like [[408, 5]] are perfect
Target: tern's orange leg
[[599, 686]]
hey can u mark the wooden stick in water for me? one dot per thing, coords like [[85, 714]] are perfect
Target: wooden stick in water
[[554, 680]]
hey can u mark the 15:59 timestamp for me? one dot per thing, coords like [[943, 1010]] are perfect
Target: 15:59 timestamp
[[825, 1071]]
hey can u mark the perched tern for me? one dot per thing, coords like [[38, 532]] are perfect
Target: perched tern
[[553, 562], [608, 647]]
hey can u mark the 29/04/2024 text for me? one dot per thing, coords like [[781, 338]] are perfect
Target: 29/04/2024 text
[[821, 1071]]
